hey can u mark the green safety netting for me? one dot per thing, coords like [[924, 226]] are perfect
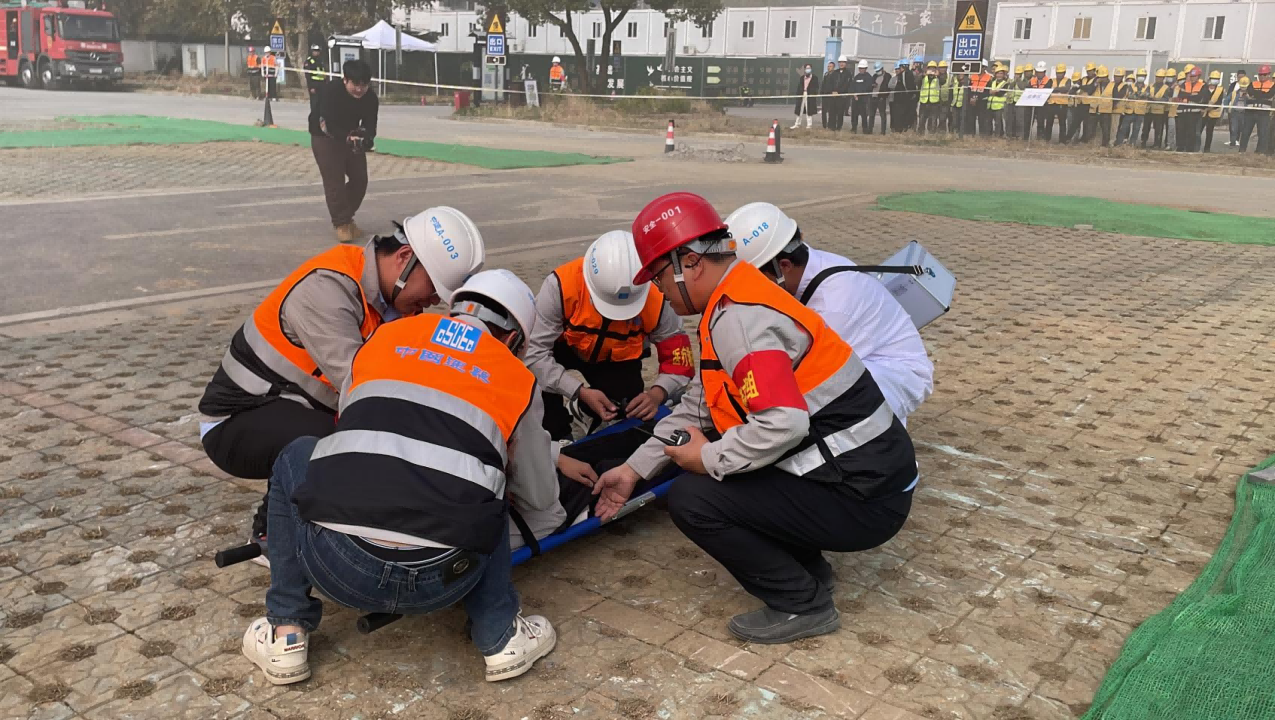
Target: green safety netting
[[1211, 654], [148, 130], [1103, 215]]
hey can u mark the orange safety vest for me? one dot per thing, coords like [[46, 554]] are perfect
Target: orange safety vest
[[594, 338], [271, 61], [854, 437], [422, 442], [979, 82], [265, 338], [556, 72], [252, 61], [1039, 82], [1186, 95]]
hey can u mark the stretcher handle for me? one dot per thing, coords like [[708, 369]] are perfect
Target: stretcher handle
[[235, 555], [372, 622]]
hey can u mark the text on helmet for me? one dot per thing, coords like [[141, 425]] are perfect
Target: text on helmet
[[448, 245], [666, 215], [757, 231]]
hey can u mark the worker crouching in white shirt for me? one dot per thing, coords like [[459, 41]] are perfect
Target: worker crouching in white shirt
[[855, 305]]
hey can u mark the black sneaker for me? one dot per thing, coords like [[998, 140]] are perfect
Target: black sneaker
[[771, 627]]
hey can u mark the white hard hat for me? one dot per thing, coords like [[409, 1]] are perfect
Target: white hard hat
[[863, 63], [448, 244], [609, 266], [843, 58], [1041, 66], [761, 231], [557, 59], [501, 289]]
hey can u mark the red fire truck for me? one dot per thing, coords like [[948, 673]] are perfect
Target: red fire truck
[[53, 44]]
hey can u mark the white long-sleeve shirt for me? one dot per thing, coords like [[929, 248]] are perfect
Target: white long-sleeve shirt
[[860, 309]]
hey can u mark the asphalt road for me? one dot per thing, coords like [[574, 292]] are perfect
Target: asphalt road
[[174, 240]]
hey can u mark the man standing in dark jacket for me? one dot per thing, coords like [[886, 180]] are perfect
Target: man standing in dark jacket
[[341, 132], [314, 76], [829, 84], [880, 98], [840, 84], [902, 97], [807, 91], [861, 91]]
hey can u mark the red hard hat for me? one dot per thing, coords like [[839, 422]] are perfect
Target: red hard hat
[[1264, 70], [667, 223]]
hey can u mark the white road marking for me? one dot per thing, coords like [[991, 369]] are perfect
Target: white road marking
[[387, 193]]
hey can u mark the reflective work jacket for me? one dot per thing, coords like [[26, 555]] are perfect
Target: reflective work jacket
[[594, 338], [1062, 89], [263, 364], [423, 438], [1215, 103], [929, 90], [253, 61], [1137, 102], [854, 436], [1104, 103], [1160, 93], [997, 102]]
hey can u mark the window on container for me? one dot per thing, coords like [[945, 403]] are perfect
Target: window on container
[[444, 30], [1146, 28], [1213, 27], [1023, 29], [632, 29], [666, 27], [790, 29], [533, 30], [748, 28], [836, 26], [706, 30], [1082, 28], [597, 29]]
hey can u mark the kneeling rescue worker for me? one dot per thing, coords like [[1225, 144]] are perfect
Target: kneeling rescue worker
[[807, 455], [279, 380], [591, 317], [403, 509], [855, 305]]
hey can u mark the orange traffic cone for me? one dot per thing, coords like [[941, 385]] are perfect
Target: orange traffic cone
[[772, 146], [668, 139]]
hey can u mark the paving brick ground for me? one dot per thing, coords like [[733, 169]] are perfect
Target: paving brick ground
[[1097, 398]]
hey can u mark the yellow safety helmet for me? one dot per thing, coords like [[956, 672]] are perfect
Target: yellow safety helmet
[[1060, 68], [1119, 72], [1142, 72], [1245, 82], [942, 64], [1090, 66], [1189, 67], [1182, 75], [1160, 73], [1102, 71], [1075, 75], [1215, 75], [1000, 68], [931, 64]]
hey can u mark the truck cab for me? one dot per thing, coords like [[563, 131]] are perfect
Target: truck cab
[[54, 44]]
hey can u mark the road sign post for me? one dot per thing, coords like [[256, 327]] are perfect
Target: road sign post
[[494, 59], [969, 30], [276, 37]]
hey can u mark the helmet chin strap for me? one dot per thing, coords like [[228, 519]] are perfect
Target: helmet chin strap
[[402, 278], [680, 279], [779, 273]]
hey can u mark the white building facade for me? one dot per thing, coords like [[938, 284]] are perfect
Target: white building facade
[[1239, 32], [736, 32]]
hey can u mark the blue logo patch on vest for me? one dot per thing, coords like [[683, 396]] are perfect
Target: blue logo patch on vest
[[456, 335]]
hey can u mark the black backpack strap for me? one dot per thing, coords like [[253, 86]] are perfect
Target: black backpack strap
[[829, 272], [524, 529]]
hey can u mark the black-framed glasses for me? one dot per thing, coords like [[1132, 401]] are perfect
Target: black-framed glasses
[[655, 278]]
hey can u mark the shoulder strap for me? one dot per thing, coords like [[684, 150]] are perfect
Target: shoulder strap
[[829, 272], [528, 537]]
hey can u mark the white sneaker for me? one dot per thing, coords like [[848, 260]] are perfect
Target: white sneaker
[[284, 660], [535, 639], [795, 125]]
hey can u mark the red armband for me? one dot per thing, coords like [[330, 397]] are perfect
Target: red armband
[[675, 356], [765, 380]]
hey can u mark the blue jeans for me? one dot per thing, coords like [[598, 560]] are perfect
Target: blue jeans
[[304, 556]]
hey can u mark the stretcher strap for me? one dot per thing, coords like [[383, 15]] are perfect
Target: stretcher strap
[[528, 537], [829, 272]]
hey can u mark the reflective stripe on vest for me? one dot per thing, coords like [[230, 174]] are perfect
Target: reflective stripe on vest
[[1216, 100], [1062, 88], [252, 62], [1157, 93], [423, 438], [847, 409], [594, 338], [929, 90], [997, 102], [1103, 99], [265, 340]]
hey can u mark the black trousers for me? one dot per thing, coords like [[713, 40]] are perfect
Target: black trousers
[[1104, 126], [929, 120], [838, 119], [620, 380], [1156, 123], [1209, 124], [859, 112], [769, 529], [254, 85], [881, 106], [344, 174], [247, 443]]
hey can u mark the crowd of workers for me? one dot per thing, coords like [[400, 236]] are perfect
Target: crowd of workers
[[407, 453], [1166, 109]]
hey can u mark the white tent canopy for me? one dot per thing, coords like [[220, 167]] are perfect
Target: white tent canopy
[[381, 37]]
